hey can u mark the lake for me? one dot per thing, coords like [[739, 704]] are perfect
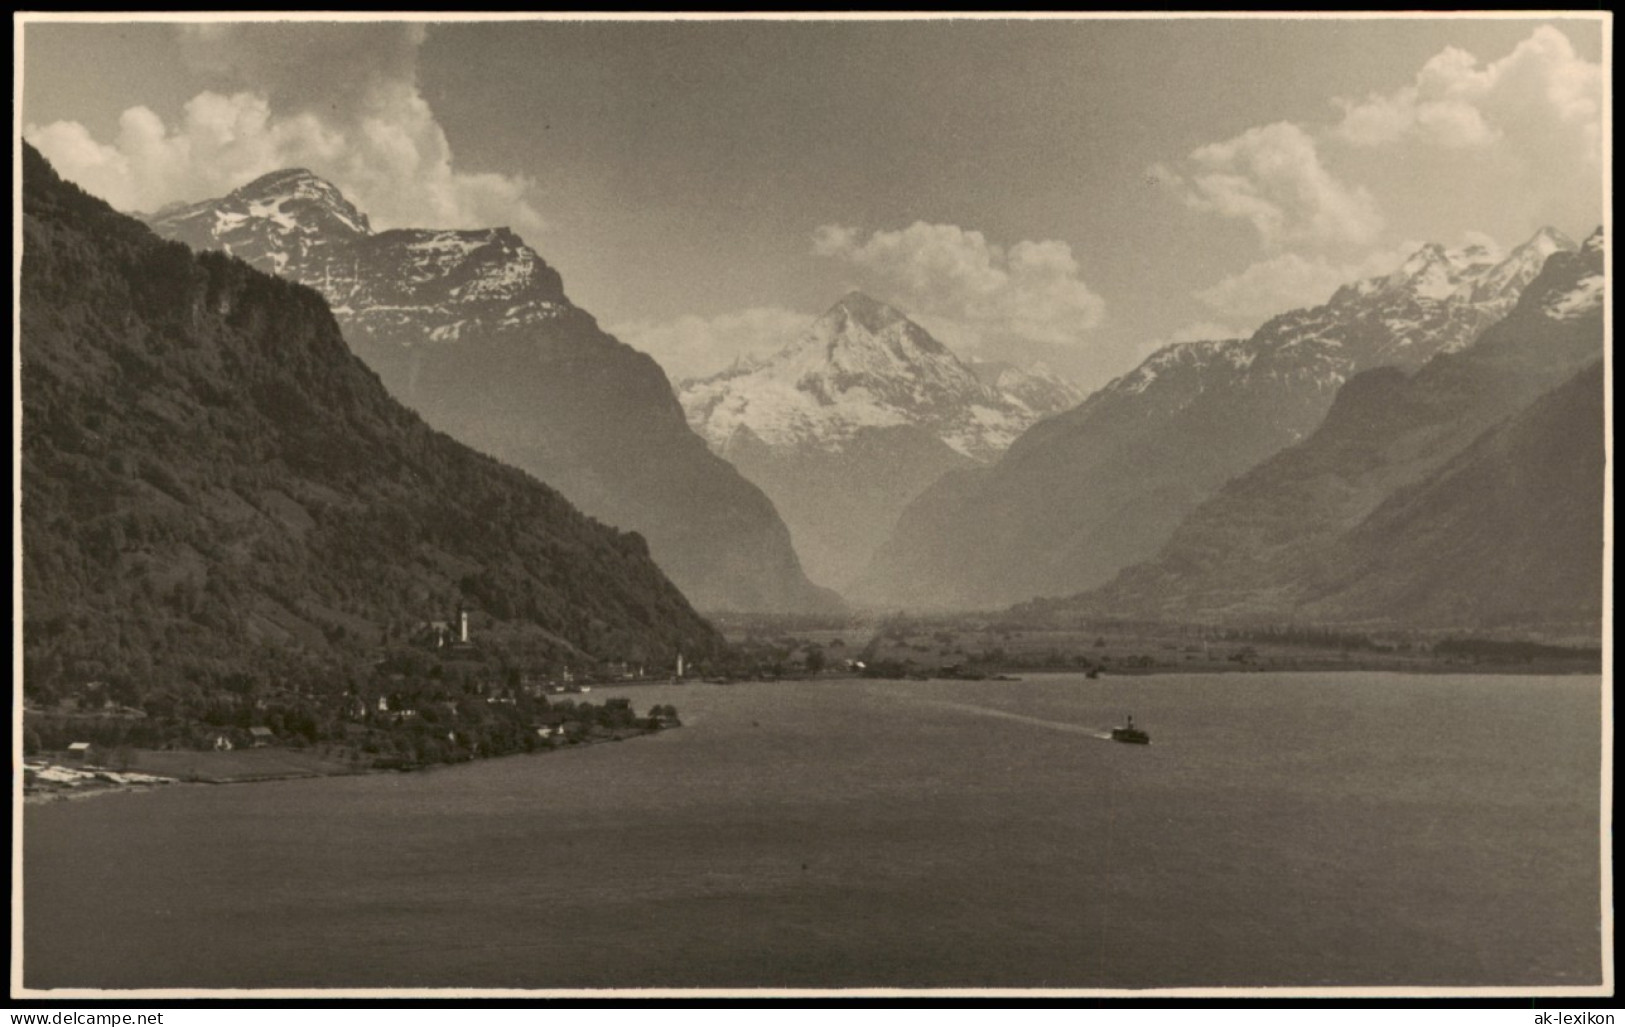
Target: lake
[[1281, 829]]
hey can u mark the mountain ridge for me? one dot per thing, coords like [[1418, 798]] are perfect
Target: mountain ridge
[[1317, 530], [864, 364], [216, 490], [1082, 495], [848, 422], [473, 329]]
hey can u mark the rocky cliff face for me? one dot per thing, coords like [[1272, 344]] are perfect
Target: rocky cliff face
[[1082, 495], [474, 331]]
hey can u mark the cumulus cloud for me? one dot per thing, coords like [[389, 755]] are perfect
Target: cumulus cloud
[[344, 104], [1272, 177], [692, 347], [976, 295], [1289, 280], [1540, 95]]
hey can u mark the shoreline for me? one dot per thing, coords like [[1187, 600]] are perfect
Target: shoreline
[[72, 784], [92, 781]]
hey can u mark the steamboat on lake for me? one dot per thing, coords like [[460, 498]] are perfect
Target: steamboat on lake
[[1130, 734]]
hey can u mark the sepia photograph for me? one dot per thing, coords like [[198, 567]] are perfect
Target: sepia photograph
[[1041, 505]]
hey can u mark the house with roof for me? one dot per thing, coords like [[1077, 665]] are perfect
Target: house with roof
[[550, 724], [260, 737]]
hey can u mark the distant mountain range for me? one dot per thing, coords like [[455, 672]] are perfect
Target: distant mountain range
[[1468, 493], [1420, 450], [1085, 494], [215, 491], [473, 330], [848, 423]]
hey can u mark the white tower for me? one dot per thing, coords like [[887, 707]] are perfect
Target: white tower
[[679, 664], [462, 625]]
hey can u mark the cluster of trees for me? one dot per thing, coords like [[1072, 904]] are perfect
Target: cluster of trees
[[1312, 637], [1513, 651], [895, 670], [410, 707]]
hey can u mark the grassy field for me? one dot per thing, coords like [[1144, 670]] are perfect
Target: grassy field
[[986, 646]]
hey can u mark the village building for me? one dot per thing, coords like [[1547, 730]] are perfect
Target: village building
[[260, 737], [441, 634]]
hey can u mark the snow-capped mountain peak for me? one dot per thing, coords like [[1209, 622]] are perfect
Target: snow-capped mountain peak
[[1437, 301], [1471, 274], [296, 193], [861, 338], [1436, 273], [852, 420], [277, 221], [404, 284], [472, 329], [1501, 284], [864, 311], [864, 364]]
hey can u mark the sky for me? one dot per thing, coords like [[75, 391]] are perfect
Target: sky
[[1072, 191]]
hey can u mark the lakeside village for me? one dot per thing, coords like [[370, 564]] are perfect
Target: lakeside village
[[445, 697]]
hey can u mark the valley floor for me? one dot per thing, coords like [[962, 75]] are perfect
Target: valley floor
[[971, 647]]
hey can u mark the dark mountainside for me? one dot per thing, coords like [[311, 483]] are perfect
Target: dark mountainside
[[472, 329], [1509, 533], [1099, 488], [215, 490], [1421, 500]]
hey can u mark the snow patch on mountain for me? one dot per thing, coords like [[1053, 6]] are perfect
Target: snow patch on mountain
[[411, 286], [1585, 297], [1437, 301], [1472, 274], [865, 365]]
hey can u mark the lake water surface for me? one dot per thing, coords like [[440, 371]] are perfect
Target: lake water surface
[[1308, 830]]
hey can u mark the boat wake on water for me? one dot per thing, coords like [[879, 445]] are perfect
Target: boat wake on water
[[984, 711]]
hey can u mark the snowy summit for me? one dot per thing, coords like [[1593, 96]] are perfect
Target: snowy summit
[[864, 365]]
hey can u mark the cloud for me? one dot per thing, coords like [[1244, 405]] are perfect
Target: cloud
[[302, 66], [977, 296], [1541, 95], [1288, 281], [1515, 141], [692, 346], [1273, 178], [345, 105]]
